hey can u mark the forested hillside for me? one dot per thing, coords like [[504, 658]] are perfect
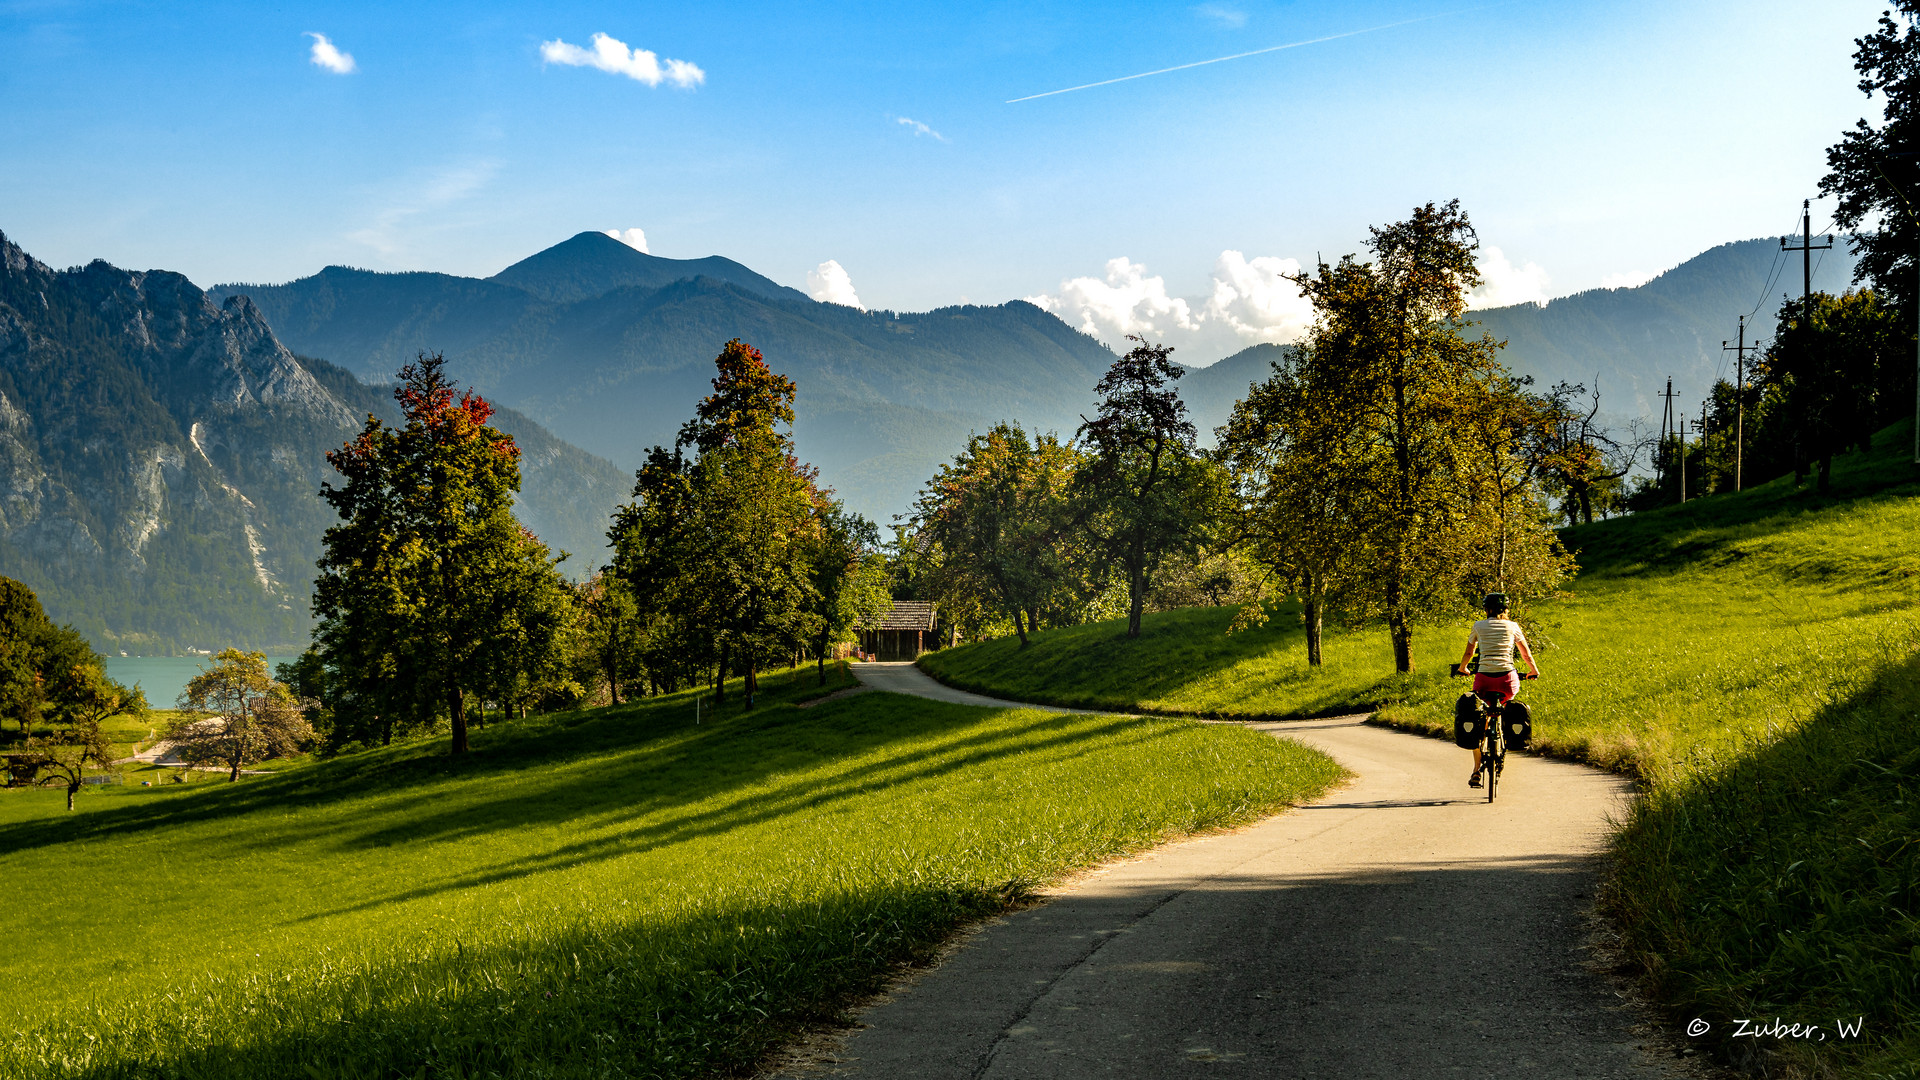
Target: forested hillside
[[1629, 340], [884, 395], [161, 459]]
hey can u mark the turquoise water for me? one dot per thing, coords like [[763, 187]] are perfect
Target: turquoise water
[[164, 677]]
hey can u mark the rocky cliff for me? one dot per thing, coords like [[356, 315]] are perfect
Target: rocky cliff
[[161, 458]]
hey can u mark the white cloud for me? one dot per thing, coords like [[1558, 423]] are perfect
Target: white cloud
[[918, 128], [1503, 284], [609, 55], [325, 55], [1255, 299], [1222, 14], [1126, 301], [633, 238], [1631, 279], [830, 284]]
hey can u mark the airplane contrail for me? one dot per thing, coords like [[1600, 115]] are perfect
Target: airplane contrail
[[1235, 56]]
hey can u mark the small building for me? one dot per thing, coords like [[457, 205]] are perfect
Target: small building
[[902, 632]]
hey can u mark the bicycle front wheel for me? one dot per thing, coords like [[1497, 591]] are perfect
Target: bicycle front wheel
[[1495, 751]]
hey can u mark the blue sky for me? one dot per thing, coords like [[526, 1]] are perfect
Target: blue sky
[[1592, 142]]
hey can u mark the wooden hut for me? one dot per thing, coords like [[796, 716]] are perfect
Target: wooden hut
[[902, 632]]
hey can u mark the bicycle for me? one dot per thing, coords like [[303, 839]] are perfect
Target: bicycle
[[1491, 733]]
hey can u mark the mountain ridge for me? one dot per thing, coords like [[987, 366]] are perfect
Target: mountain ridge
[[161, 458]]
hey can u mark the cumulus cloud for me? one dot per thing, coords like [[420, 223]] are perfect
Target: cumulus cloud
[[1631, 279], [1503, 284], [613, 57], [1254, 298], [1125, 301], [326, 55], [633, 238], [918, 128], [830, 284]]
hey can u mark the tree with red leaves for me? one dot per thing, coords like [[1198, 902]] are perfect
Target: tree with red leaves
[[413, 581]]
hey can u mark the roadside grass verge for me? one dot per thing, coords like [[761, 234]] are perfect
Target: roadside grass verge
[[1781, 881], [614, 892]]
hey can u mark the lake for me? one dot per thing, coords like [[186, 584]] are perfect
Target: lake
[[164, 677]]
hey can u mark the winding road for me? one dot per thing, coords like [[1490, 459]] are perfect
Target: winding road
[[1399, 927]]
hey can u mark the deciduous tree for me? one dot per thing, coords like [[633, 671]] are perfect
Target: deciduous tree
[[238, 715], [1145, 492]]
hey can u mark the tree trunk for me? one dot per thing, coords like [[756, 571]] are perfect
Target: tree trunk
[[1019, 628], [823, 659], [1310, 614], [720, 677], [1136, 599], [386, 731], [233, 777], [1826, 472], [1586, 504], [72, 787], [753, 681], [457, 708]]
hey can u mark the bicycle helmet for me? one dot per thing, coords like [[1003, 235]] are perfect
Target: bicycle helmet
[[1495, 603]]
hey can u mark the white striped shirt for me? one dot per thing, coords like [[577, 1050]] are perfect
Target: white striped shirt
[[1496, 638]]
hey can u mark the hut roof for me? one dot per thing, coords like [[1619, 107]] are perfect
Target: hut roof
[[904, 615]]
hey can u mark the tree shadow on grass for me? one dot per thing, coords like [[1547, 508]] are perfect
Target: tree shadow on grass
[[1073, 738], [736, 748], [1782, 880]]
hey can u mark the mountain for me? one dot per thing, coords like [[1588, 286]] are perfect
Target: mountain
[[1627, 341], [161, 458], [883, 396], [593, 264]]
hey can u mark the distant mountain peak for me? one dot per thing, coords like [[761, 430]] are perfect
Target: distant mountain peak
[[592, 264]]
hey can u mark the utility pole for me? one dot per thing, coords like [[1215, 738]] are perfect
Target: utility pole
[[1739, 398], [1806, 248], [1667, 428], [1683, 461]]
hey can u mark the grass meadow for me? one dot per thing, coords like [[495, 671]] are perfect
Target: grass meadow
[[1755, 658], [608, 893]]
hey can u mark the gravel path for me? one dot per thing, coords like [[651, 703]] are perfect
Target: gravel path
[[1399, 927]]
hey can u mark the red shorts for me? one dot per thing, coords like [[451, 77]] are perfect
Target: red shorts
[[1506, 684]]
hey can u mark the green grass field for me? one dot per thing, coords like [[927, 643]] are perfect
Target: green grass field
[[1754, 657], [615, 892]]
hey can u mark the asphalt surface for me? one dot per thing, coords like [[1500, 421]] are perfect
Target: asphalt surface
[[1399, 927]]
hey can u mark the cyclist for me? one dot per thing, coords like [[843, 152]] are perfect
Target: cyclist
[[1495, 636]]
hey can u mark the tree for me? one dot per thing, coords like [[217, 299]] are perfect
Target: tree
[[1875, 171], [1295, 477], [423, 592], [23, 629], [999, 517], [1839, 367], [717, 536], [1580, 457], [66, 755], [849, 576], [1414, 407], [1145, 493], [238, 715]]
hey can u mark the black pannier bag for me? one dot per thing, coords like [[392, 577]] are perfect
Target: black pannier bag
[[1469, 727], [1516, 725]]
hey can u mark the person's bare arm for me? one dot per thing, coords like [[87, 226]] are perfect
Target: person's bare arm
[[1473, 637], [1520, 639]]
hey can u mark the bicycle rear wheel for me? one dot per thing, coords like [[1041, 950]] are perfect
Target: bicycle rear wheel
[[1494, 752]]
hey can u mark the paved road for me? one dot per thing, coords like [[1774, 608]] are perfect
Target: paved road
[[1400, 927], [904, 678]]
